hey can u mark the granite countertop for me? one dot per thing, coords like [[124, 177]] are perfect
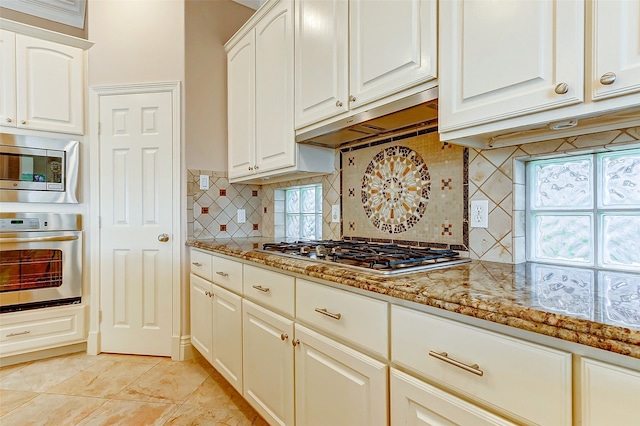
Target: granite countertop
[[598, 309]]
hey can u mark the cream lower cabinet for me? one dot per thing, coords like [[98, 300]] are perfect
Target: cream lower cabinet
[[268, 363], [414, 402], [216, 328], [337, 385], [609, 394], [526, 382]]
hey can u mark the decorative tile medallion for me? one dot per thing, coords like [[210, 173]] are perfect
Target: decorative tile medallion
[[395, 189], [406, 188]]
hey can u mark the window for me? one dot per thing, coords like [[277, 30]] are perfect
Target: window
[[303, 212], [585, 210]]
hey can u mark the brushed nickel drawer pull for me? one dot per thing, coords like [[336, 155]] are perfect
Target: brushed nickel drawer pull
[[22, 333], [443, 356], [198, 264], [222, 274], [262, 289], [324, 311]]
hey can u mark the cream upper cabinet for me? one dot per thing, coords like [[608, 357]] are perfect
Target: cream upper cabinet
[[241, 106], [352, 53], [609, 394], [336, 385], [507, 59], [275, 144], [321, 60], [615, 31], [261, 130], [7, 78]]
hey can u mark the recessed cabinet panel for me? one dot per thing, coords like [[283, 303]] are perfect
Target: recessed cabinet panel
[[506, 59], [226, 354], [201, 316]]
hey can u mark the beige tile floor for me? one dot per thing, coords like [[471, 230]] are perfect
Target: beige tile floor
[[109, 389]]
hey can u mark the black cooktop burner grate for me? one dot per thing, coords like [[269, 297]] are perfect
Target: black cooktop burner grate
[[373, 256]]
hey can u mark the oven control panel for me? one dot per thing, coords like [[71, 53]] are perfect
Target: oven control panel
[[19, 224]]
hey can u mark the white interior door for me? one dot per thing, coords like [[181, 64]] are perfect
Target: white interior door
[[136, 140]]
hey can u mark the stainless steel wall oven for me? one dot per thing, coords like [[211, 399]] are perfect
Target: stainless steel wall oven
[[40, 260]]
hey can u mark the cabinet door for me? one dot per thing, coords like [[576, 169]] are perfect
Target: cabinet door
[[414, 402], [336, 385], [393, 47], [275, 144], [241, 106], [226, 348], [616, 44], [201, 315], [268, 363], [321, 60], [7, 78], [609, 394], [506, 59], [49, 85]]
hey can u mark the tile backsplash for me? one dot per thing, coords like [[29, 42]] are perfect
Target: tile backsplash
[[496, 175]]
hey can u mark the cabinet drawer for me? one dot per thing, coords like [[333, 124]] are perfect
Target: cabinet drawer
[[356, 318], [415, 402], [201, 264], [22, 332], [528, 381], [270, 289], [228, 274]]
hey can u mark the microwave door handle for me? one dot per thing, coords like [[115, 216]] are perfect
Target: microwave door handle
[[38, 239]]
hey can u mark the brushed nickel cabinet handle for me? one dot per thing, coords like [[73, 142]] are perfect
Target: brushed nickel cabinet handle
[[443, 356], [23, 122], [222, 274], [8, 120], [284, 336], [22, 333], [562, 88], [608, 78], [295, 342], [262, 289], [338, 104], [352, 98], [324, 311], [198, 264]]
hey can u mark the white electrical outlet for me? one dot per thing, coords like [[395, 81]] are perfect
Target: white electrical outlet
[[204, 182], [242, 216], [335, 213], [480, 213]]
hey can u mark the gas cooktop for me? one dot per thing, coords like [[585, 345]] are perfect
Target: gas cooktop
[[380, 258]]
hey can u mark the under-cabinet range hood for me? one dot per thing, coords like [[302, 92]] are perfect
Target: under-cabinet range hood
[[419, 110]]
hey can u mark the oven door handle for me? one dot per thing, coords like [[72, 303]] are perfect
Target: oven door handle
[[39, 239]]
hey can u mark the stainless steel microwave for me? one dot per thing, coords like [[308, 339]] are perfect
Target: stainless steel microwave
[[35, 169]]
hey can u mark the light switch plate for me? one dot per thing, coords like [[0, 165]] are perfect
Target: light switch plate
[[242, 216], [204, 182], [335, 213], [480, 213]]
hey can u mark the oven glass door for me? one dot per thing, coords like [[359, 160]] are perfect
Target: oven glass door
[[34, 169], [40, 268]]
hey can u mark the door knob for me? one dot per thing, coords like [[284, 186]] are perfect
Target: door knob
[[163, 238]]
